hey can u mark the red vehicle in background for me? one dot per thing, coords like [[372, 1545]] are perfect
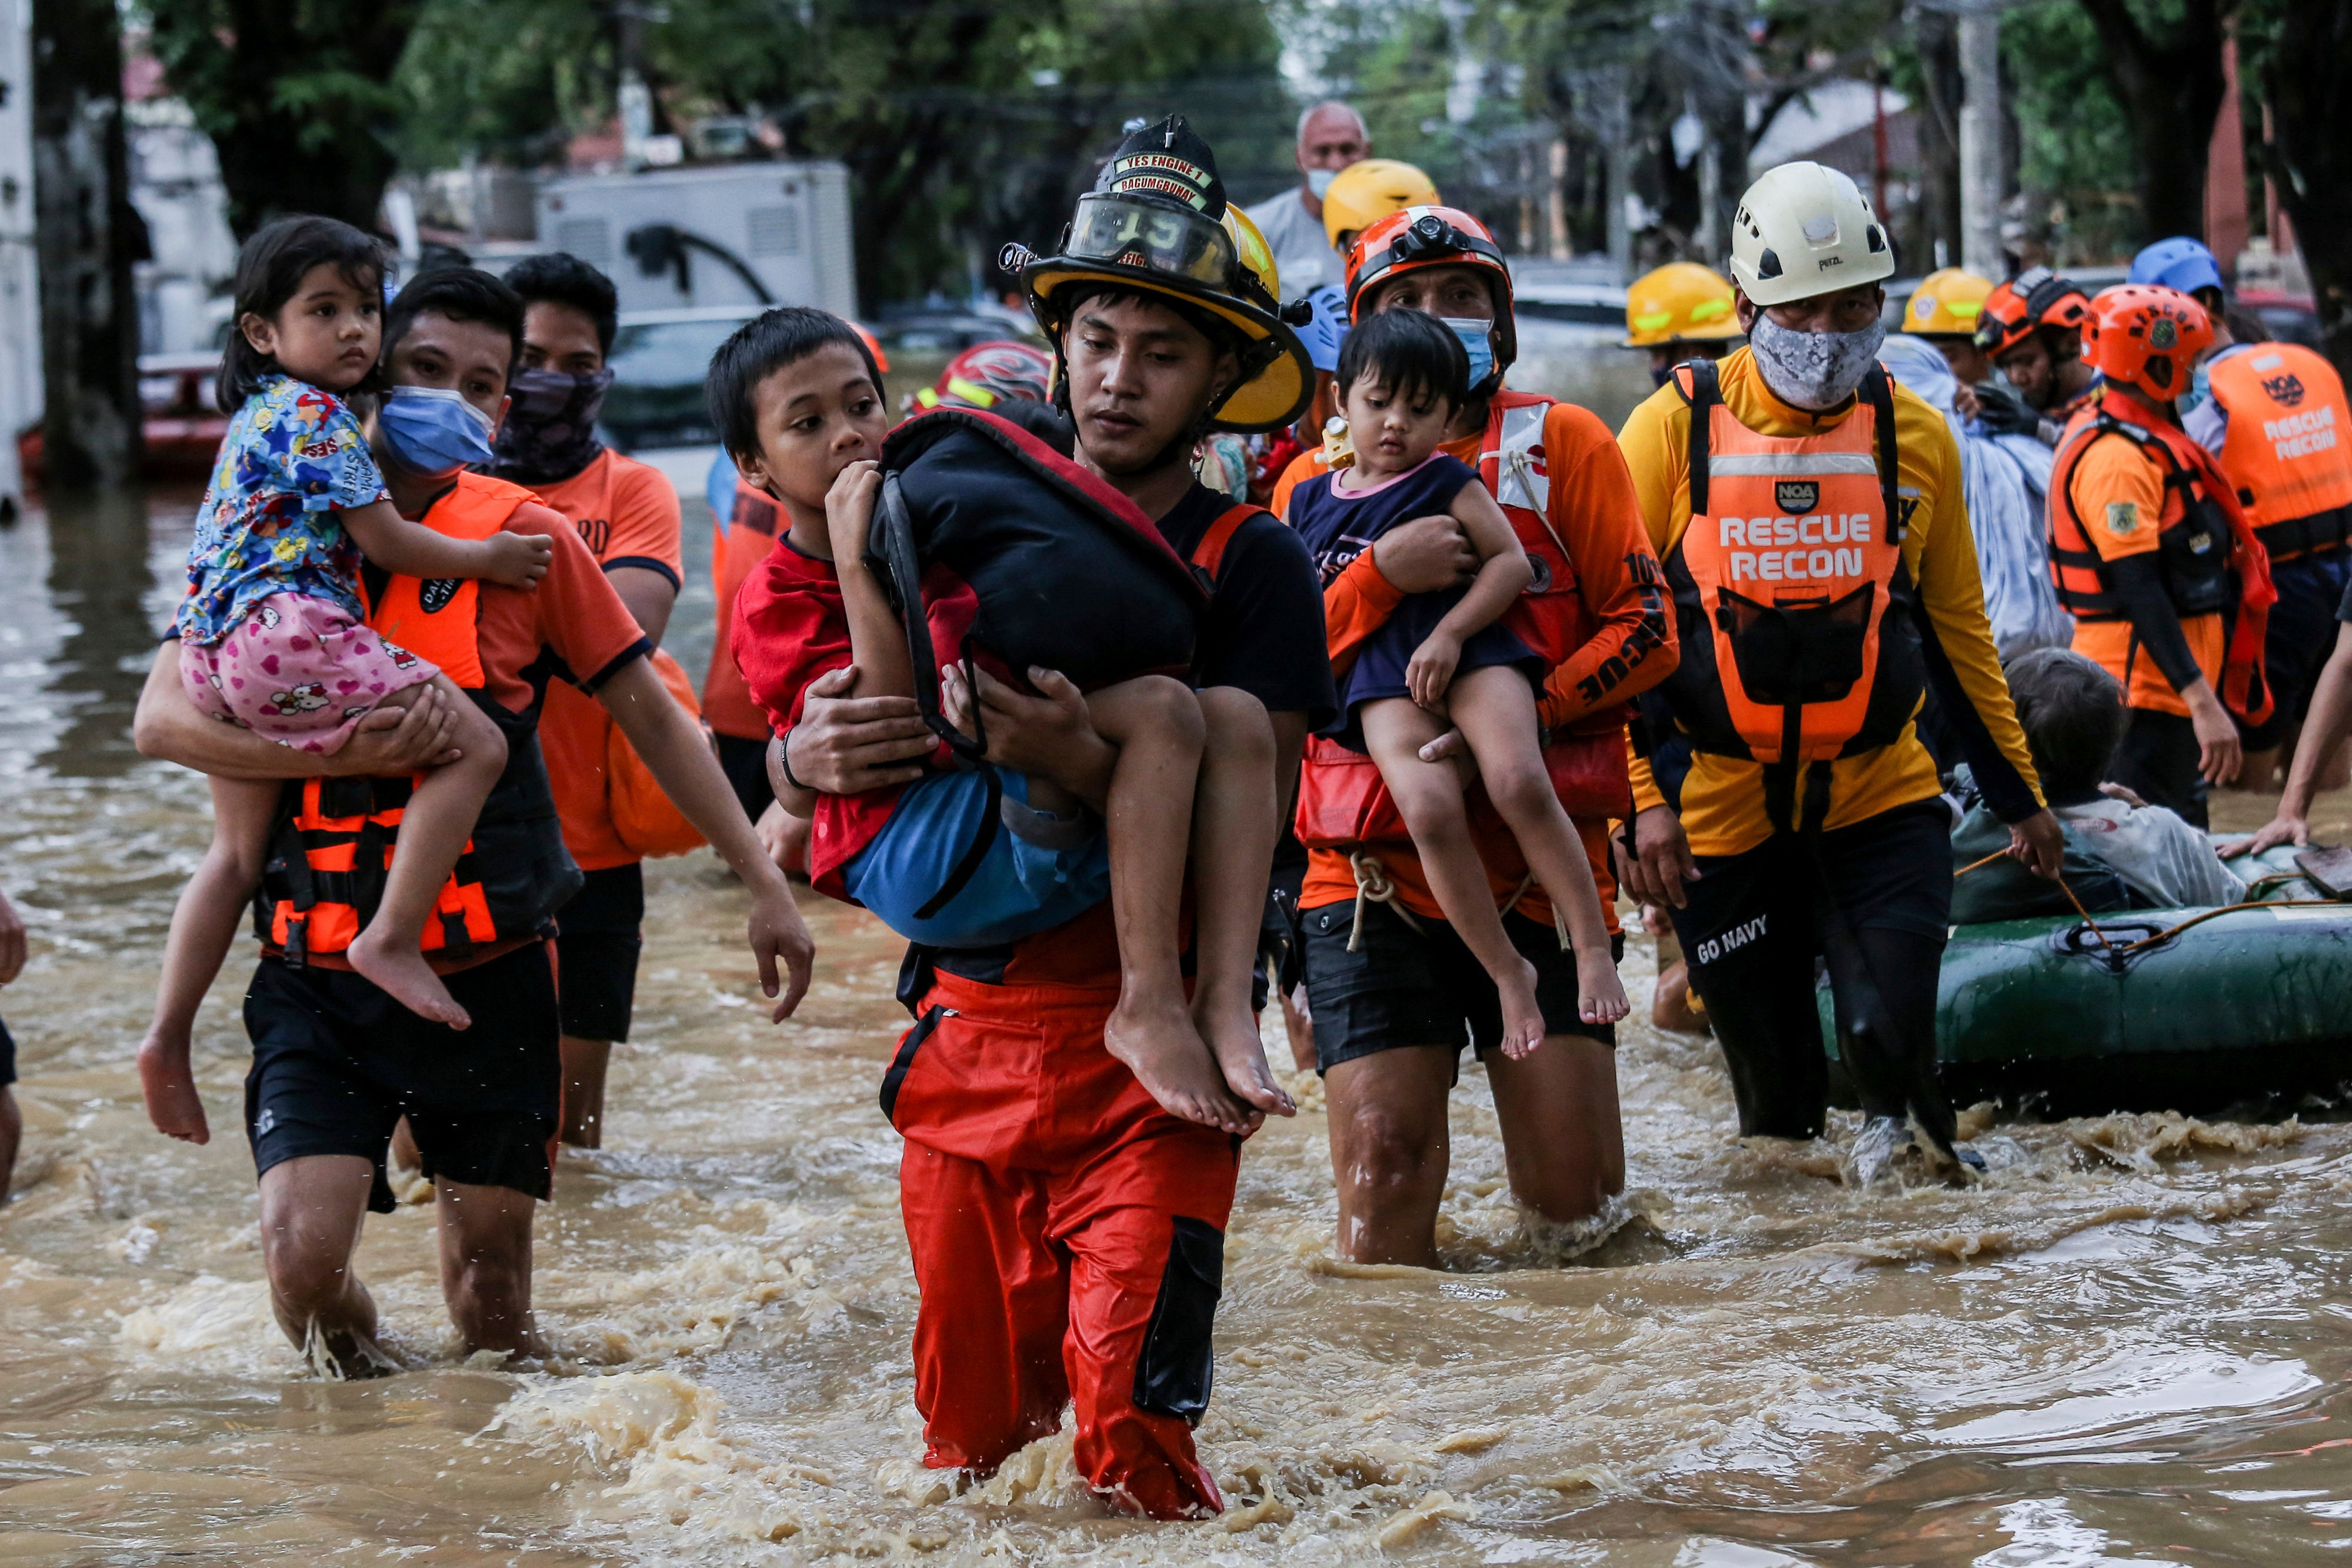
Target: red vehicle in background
[[182, 427]]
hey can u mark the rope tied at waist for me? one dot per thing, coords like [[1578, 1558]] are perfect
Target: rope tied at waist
[[1374, 886]]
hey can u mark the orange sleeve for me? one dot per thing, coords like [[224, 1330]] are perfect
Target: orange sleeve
[[646, 528], [1593, 506], [2119, 496], [573, 612], [1358, 603], [1303, 468]]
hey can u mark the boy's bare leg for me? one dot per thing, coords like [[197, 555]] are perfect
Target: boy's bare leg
[[1495, 708], [1156, 724], [434, 828], [486, 1267], [1234, 833], [204, 924], [1429, 797]]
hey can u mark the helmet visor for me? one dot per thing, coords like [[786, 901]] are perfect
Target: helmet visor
[[1132, 233]]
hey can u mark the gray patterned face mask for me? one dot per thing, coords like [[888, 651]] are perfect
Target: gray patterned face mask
[[1813, 371]]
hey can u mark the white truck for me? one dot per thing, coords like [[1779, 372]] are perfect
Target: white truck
[[738, 234]]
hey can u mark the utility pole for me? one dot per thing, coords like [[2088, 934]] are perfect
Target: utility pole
[[1617, 117], [1980, 156], [87, 237]]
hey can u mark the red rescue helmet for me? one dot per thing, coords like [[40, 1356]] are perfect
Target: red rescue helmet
[[2036, 297], [985, 374], [1421, 236], [2146, 337]]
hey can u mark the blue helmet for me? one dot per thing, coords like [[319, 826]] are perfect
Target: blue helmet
[[1325, 327], [2181, 263]]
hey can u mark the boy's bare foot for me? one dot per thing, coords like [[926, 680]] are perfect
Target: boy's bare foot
[[1523, 1020], [1167, 1056], [401, 972], [1600, 995], [1232, 1037], [170, 1090]]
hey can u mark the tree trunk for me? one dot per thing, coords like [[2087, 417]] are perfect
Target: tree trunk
[[1936, 217], [2170, 88], [2308, 81], [87, 237]]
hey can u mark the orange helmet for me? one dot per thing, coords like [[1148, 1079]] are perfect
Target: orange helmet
[[2036, 297], [1433, 237], [2148, 337]]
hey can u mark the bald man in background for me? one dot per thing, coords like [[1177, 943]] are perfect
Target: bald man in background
[[1331, 137]]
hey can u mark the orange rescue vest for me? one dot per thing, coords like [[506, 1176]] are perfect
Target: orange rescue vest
[[1800, 640], [2207, 553], [1343, 799], [333, 841], [2288, 450]]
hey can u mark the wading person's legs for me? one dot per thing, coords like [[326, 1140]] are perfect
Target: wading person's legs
[[1563, 1143], [311, 1208], [1390, 1151], [1748, 935], [486, 1266]]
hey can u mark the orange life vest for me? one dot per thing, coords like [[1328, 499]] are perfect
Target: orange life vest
[[2207, 554], [2288, 450], [333, 844], [1343, 799], [1800, 640]]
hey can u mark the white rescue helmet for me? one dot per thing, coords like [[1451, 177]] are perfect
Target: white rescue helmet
[[1805, 229]]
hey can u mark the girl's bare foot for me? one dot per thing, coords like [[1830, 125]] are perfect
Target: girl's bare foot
[[1232, 1037], [1167, 1056], [170, 1090], [399, 969], [1523, 1019], [1600, 995]]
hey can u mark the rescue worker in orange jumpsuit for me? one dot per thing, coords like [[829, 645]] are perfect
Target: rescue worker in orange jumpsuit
[[1810, 516], [2156, 559], [1067, 1233]]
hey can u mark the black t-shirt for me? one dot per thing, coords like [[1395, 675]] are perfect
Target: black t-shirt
[[1263, 631]]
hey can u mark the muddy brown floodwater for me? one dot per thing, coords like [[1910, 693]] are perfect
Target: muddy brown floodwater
[[2130, 1345]]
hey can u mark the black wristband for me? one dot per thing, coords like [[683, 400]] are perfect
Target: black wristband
[[784, 761]]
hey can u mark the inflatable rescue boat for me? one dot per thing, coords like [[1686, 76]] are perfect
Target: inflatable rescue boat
[[2180, 1009]]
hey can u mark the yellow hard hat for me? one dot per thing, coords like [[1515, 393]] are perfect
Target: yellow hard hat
[[1368, 190], [1679, 302], [1946, 304]]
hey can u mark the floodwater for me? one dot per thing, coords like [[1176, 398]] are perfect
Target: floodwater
[[2131, 1344]]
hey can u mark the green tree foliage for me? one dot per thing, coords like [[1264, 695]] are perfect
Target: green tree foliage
[[965, 123], [2077, 164], [297, 95]]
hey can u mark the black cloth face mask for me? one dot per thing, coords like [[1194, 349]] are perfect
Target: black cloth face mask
[[550, 432]]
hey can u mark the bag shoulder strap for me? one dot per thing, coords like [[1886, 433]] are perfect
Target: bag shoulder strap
[[1209, 555], [1702, 392]]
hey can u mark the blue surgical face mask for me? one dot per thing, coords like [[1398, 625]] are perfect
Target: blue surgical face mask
[[1477, 341], [432, 431], [2200, 387], [1319, 181]]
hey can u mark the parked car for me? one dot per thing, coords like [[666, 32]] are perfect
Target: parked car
[[658, 361], [182, 429]]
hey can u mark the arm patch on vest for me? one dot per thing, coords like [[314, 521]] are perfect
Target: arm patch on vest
[[2123, 517]]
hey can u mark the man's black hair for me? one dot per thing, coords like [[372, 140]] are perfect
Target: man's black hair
[[562, 279], [269, 268], [1414, 355], [1224, 336], [760, 347], [462, 294], [2073, 714]]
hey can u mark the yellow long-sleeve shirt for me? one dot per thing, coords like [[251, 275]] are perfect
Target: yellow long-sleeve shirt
[[1723, 810]]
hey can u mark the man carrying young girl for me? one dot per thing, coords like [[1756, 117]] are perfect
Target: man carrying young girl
[[1067, 1231], [337, 1060], [1393, 986]]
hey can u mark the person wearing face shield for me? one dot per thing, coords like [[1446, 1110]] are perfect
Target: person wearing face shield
[[626, 513], [1331, 136], [1811, 516], [1392, 997]]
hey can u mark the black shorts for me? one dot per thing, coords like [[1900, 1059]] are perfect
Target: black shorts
[[2157, 761], [601, 931], [1407, 987], [745, 764], [336, 1063], [7, 1056]]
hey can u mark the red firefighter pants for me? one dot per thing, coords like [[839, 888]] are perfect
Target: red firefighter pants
[[1068, 1241]]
